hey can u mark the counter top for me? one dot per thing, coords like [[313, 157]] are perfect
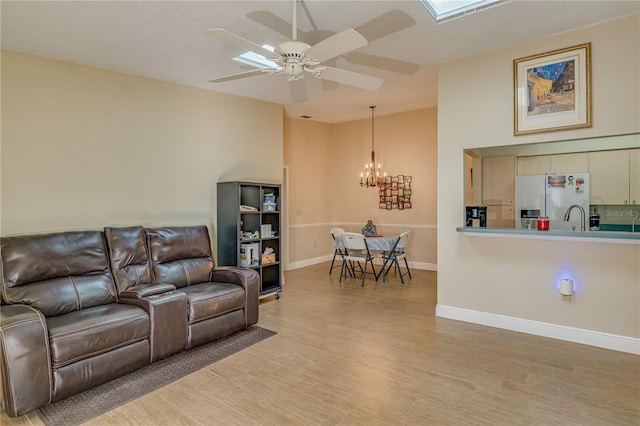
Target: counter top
[[614, 237]]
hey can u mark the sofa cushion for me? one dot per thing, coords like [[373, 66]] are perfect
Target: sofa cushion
[[71, 272], [184, 272], [208, 300], [180, 255], [90, 332], [128, 255]]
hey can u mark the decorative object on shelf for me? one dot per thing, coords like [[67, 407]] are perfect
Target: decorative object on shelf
[[395, 193], [270, 202], [268, 257], [552, 90], [372, 176], [369, 230], [249, 235], [266, 231]]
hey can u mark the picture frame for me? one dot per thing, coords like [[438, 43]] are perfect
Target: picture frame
[[396, 193], [552, 91]]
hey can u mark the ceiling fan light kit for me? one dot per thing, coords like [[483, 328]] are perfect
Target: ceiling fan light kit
[[293, 58]]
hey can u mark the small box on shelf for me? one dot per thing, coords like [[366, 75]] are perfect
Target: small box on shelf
[[270, 207], [269, 202], [249, 254], [265, 231], [268, 258]]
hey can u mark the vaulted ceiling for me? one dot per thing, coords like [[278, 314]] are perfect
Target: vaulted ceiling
[[167, 40]]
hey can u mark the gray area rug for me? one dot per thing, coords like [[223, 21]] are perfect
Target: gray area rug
[[94, 402]]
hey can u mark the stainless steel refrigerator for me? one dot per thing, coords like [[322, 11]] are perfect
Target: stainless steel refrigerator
[[552, 195]]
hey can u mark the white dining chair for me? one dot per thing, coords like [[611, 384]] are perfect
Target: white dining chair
[[392, 258], [356, 250], [336, 234]]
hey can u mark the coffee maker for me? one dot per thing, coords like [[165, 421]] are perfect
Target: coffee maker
[[529, 218], [477, 214]]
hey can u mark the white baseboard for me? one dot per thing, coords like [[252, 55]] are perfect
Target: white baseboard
[[423, 266], [309, 262], [554, 331], [314, 261]]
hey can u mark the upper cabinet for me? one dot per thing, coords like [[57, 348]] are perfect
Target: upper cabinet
[[634, 176], [534, 165], [551, 164], [498, 180], [614, 177], [570, 163]]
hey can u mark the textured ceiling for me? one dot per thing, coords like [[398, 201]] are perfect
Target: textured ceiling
[[166, 40]]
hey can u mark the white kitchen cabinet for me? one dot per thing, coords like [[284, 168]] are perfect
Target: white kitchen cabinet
[[500, 217], [534, 165], [634, 176], [498, 190], [498, 180], [577, 162], [611, 177]]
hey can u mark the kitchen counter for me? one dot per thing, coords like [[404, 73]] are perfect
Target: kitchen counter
[[613, 237]]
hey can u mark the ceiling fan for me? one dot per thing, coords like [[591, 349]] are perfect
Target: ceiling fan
[[295, 58]]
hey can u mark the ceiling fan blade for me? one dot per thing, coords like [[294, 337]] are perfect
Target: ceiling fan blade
[[395, 65], [298, 89], [236, 76], [271, 21], [351, 78], [336, 45], [280, 26], [385, 24], [242, 44]]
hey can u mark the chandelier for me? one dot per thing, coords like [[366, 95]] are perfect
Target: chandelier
[[372, 176]]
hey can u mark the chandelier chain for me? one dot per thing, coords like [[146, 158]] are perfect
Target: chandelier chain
[[372, 176]]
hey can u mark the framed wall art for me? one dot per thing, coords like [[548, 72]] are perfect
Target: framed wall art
[[552, 90], [395, 193]]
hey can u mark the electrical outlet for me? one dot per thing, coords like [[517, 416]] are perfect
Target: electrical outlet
[[566, 298]]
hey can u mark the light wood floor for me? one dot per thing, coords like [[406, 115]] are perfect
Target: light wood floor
[[348, 355]]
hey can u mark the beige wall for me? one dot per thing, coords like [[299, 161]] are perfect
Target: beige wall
[[84, 148], [307, 153], [325, 162], [517, 277]]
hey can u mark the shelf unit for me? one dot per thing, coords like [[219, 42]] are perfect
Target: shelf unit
[[241, 241]]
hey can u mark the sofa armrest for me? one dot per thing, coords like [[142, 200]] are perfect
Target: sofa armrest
[[168, 317], [144, 290], [247, 278], [25, 364]]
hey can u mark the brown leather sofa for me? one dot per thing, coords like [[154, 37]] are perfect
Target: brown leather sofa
[[81, 308]]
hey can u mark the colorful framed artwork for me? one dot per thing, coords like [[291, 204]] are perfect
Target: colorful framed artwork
[[396, 194], [552, 91]]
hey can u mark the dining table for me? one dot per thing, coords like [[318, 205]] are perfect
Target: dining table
[[376, 243]]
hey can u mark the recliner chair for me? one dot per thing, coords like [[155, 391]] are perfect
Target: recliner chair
[[219, 300]]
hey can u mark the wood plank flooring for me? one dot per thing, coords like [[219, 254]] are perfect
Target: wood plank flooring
[[377, 355]]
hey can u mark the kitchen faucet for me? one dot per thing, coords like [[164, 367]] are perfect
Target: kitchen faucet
[[633, 224], [566, 215]]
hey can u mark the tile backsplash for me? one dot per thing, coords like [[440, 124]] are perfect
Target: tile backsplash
[[620, 214]]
